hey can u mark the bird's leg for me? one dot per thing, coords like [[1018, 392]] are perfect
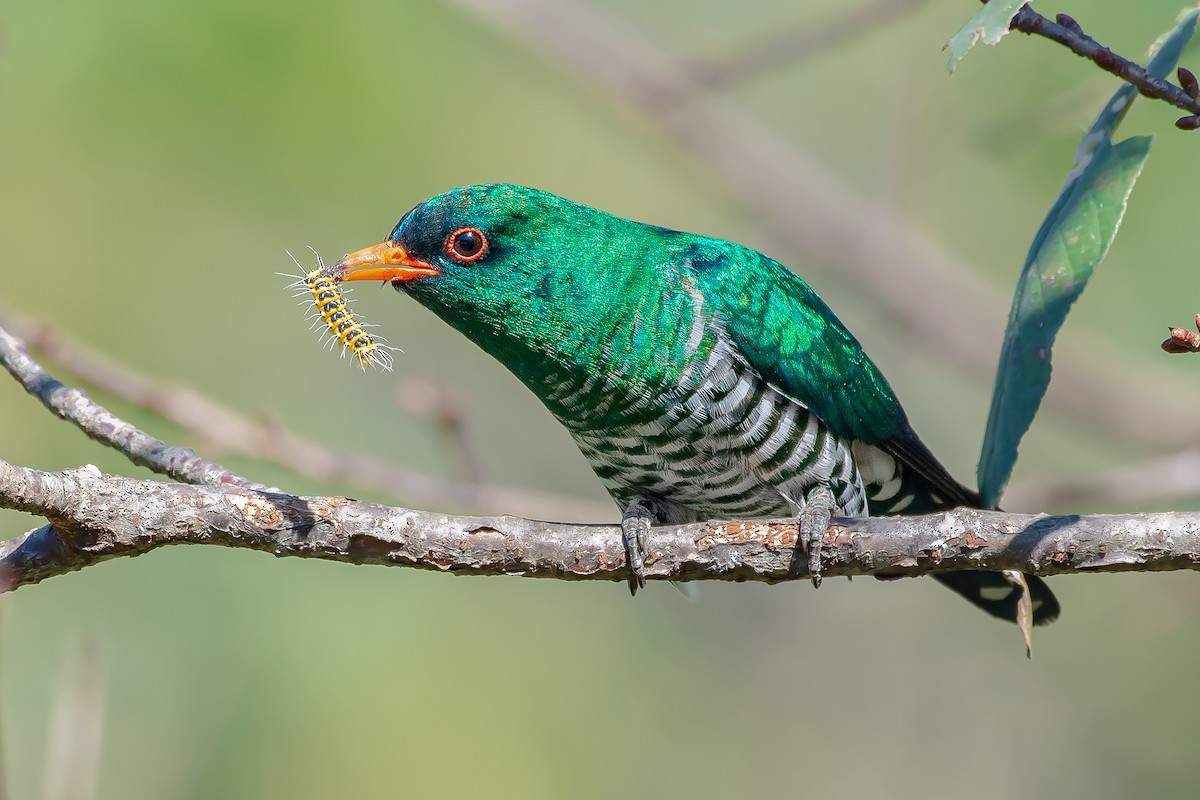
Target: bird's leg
[[636, 520], [814, 521]]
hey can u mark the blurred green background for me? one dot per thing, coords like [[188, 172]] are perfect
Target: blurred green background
[[158, 158]]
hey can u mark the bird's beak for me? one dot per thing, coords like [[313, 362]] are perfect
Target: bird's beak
[[388, 261]]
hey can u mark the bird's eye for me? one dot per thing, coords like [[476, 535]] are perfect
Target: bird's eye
[[466, 244]]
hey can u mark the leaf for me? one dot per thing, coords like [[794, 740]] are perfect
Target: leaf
[[990, 23], [1072, 241], [1024, 608]]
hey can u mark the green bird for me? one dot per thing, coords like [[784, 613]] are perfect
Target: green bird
[[700, 378]]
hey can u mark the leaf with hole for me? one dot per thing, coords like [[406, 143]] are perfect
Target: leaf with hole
[[990, 24]]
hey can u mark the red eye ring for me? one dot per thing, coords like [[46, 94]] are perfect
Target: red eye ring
[[466, 245]]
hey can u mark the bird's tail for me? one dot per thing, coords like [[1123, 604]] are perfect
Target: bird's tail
[[991, 591], [927, 487]]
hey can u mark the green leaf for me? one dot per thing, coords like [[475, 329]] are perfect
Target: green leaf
[[1072, 241], [990, 23]]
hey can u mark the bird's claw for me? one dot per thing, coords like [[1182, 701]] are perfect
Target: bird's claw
[[814, 521], [635, 532]]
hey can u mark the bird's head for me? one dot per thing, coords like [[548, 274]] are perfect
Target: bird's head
[[525, 274]]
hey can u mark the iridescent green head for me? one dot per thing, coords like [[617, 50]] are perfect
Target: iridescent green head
[[530, 277]]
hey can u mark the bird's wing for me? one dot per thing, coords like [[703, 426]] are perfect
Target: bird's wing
[[787, 333]]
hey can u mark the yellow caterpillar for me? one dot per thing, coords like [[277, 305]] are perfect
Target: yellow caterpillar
[[341, 326]]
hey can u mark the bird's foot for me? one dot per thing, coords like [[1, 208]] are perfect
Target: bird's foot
[[635, 530], [814, 521]]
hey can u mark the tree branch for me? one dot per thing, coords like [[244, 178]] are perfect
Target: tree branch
[[1067, 32], [97, 517], [74, 406]]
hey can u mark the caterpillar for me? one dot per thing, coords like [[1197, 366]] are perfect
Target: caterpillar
[[341, 326]]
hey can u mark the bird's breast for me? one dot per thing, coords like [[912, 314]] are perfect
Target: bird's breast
[[720, 442]]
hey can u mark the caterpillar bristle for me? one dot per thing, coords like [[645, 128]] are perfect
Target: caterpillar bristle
[[337, 324]]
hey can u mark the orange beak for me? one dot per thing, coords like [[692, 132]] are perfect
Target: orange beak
[[388, 261]]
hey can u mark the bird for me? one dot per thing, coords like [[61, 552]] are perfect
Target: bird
[[700, 379]]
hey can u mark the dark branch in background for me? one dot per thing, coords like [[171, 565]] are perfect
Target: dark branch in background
[[98, 517], [1067, 32], [786, 46], [932, 295], [221, 430]]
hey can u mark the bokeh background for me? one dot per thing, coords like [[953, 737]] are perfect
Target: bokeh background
[[157, 158]]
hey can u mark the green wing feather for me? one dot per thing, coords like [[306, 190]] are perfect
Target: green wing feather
[[795, 341], [787, 333]]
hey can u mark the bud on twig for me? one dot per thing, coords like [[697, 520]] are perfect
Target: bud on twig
[[1068, 22], [1188, 81], [1182, 340]]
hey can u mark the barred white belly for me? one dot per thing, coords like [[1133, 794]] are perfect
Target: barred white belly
[[723, 444]]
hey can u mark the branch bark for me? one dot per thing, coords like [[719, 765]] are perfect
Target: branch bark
[[95, 518]]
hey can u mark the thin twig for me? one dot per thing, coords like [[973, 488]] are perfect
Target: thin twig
[[222, 430], [100, 517], [1067, 32], [74, 406]]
